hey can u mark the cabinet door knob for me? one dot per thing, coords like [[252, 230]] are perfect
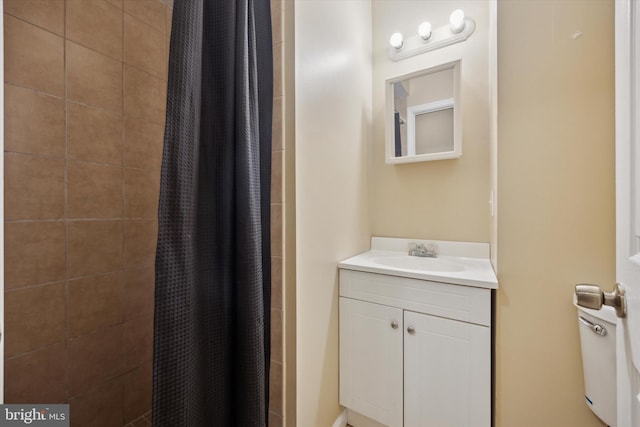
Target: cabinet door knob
[[394, 324], [411, 330]]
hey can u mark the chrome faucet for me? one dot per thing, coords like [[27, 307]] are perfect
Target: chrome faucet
[[423, 250]]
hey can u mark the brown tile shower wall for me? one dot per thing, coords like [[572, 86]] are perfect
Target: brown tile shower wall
[[85, 89], [277, 372]]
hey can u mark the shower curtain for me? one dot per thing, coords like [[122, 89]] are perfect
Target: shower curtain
[[213, 288]]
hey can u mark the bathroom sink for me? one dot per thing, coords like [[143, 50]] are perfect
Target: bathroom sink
[[418, 263], [458, 263]]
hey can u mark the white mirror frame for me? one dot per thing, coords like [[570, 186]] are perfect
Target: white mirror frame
[[457, 118]]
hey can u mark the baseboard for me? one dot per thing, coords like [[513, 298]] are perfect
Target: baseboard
[[341, 421]]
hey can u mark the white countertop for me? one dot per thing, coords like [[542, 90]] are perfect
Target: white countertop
[[459, 263]]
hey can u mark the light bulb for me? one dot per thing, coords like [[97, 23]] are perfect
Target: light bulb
[[456, 19], [424, 30], [396, 41]]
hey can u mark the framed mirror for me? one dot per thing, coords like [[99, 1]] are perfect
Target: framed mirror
[[423, 115]]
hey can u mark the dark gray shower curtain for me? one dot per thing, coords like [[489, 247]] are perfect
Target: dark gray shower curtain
[[213, 287]]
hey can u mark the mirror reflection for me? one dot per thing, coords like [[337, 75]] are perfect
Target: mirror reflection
[[425, 124]]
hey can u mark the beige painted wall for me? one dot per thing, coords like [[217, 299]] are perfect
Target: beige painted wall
[[445, 199], [333, 133], [556, 209]]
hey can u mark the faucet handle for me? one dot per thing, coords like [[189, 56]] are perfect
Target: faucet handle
[[415, 248], [423, 249], [432, 249]]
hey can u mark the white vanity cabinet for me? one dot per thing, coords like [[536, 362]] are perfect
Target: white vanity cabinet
[[415, 353], [371, 360], [447, 372]]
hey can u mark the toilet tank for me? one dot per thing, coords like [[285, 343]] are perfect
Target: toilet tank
[[598, 345]]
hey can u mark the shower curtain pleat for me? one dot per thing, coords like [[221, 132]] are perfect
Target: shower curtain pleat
[[213, 270]]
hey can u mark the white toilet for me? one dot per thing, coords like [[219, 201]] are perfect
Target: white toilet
[[598, 342]]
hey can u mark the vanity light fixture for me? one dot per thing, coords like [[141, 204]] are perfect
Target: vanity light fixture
[[456, 20], [428, 38], [396, 41], [424, 31]]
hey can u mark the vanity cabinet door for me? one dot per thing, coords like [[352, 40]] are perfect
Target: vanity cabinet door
[[447, 372], [371, 360]]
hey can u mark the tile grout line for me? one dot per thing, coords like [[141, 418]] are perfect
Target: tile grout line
[[65, 214], [82, 219], [280, 257], [35, 90], [123, 210], [84, 162], [137, 267], [84, 334], [41, 92], [106, 380], [28, 352], [64, 35], [142, 20]]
